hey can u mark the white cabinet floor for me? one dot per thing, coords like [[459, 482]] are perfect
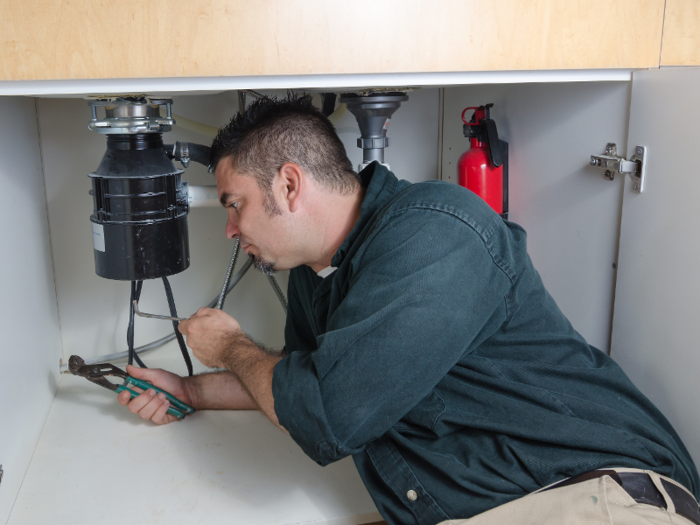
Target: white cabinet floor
[[97, 463]]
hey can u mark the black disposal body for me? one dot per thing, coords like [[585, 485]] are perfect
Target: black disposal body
[[139, 223]]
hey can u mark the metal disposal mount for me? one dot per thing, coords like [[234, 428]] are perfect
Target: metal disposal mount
[[373, 113], [139, 222]]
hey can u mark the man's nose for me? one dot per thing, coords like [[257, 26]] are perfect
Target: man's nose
[[232, 229]]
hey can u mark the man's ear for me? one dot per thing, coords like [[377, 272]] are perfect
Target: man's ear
[[293, 183]]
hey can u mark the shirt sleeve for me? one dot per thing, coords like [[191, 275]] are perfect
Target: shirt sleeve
[[421, 294]]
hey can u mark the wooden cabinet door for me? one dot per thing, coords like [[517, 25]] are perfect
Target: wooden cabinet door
[[83, 39], [681, 42]]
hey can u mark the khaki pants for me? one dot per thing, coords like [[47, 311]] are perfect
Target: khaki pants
[[596, 501]]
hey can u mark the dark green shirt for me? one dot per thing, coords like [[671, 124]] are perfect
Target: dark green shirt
[[437, 359]]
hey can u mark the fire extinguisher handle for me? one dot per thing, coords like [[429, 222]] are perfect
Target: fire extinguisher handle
[[495, 149]]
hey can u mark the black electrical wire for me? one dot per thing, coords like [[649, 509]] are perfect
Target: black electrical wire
[[130, 328], [278, 292], [136, 287], [137, 297], [328, 103], [173, 313], [164, 340]]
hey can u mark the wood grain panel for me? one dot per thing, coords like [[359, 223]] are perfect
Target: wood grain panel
[[681, 40], [77, 39]]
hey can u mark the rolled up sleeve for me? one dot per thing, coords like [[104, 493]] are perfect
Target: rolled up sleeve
[[423, 290]]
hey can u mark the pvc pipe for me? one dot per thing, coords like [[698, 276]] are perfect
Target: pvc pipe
[[335, 117], [197, 127], [203, 197]]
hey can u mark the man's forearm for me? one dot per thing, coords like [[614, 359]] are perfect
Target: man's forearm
[[217, 340], [253, 365], [218, 391]]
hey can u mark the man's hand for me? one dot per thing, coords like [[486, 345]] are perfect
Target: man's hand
[[209, 334], [216, 339], [152, 405], [213, 335]]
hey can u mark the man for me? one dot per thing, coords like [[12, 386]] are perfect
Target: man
[[421, 341]]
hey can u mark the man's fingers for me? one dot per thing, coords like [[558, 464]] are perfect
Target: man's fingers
[[161, 416], [134, 371], [151, 408], [147, 374], [150, 404], [153, 403], [202, 316], [124, 398], [184, 327], [140, 401], [199, 313]]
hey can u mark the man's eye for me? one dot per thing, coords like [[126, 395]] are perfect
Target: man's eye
[[234, 205]]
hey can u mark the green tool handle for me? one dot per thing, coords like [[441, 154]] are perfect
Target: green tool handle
[[171, 410], [144, 385]]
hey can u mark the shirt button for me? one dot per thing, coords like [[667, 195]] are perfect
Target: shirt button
[[412, 495]]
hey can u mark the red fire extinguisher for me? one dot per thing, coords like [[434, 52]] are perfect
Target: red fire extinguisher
[[483, 168]]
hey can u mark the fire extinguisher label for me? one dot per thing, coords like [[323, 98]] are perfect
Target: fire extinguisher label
[[386, 124], [98, 237]]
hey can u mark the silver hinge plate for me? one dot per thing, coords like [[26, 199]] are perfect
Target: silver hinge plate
[[612, 163]]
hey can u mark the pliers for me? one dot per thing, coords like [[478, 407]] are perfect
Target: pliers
[[97, 372]]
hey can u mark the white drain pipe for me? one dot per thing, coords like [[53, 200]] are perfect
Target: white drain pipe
[[202, 197]]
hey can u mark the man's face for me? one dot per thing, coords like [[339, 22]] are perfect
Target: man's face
[[260, 225]]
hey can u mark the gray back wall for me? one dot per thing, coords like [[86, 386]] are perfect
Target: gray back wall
[[570, 213]]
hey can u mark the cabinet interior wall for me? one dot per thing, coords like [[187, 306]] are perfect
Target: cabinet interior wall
[[31, 340]]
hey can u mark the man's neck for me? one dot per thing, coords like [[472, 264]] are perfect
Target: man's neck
[[341, 214]]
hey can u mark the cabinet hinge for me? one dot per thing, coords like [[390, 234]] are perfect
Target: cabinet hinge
[[612, 163]]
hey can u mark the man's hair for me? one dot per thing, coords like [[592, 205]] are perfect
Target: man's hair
[[273, 132]]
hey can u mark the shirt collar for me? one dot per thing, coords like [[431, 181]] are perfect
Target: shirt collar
[[380, 186]]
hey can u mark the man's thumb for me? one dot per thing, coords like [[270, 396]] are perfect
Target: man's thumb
[[138, 373]]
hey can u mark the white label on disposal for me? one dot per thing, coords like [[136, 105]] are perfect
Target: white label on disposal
[[98, 237], [386, 124]]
